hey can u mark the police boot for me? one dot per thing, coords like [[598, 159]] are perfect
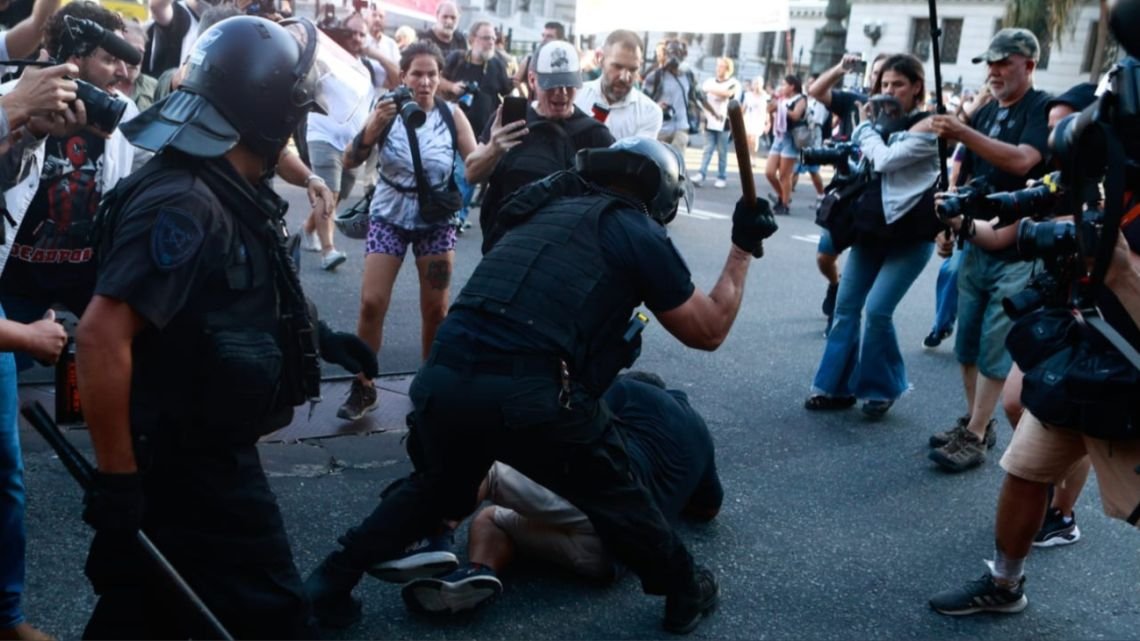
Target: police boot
[[329, 588], [684, 608]]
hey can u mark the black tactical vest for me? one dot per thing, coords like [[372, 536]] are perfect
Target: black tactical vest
[[548, 274]]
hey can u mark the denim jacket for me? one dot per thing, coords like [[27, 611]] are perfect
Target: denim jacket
[[908, 163]]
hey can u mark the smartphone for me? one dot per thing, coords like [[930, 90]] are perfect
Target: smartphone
[[514, 108]]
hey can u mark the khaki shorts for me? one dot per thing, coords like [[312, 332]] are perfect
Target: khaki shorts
[[545, 525], [1047, 454]]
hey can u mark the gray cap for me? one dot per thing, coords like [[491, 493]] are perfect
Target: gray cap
[[556, 65], [1007, 42]]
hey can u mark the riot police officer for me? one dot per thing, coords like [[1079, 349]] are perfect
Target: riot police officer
[[197, 342], [519, 365]]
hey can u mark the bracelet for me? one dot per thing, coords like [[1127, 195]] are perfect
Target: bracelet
[[313, 177]]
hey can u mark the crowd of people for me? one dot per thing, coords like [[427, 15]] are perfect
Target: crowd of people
[[151, 216]]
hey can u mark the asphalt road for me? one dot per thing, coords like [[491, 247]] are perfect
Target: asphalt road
[[833, 527]]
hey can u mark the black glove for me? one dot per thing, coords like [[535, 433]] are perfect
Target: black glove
[[752, 224], [348, 351], [114, 503]]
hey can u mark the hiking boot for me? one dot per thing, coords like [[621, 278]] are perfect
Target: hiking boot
[[329, 589], [1057, 529], [362, 398], [965, 451], [428, 557], [940, 439], [683, 610], [463, 589], [982, 595], [828, 307]]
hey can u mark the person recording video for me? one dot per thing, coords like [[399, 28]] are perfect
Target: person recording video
[[79, 156]]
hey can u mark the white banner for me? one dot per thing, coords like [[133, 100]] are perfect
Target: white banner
[[702, 16]]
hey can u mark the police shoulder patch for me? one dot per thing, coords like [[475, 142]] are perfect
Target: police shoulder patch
[[175, 238]]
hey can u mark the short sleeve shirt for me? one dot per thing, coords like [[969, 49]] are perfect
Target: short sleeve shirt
[[1023, 123], [458, 41]]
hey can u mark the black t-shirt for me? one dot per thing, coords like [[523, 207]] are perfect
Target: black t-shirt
[[164, 44], [640, 256], [458, 41], [843, 105], [493, 85], [669, 446], [1024, 123], [16, 11], [52, 254]]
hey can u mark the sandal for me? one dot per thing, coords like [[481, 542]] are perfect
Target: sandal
[[819, 402]]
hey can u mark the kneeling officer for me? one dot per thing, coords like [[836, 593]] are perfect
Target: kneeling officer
[[198, 341], [518, 368]]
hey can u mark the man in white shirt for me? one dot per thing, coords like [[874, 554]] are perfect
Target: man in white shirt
[[382, 48], [630, 113]]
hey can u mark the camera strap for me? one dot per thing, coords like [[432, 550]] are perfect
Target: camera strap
[[414, 146], [1114, 194]]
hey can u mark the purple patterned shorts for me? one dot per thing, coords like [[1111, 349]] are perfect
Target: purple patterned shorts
[[385, 238]]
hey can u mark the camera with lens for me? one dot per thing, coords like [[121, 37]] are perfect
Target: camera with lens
[[834, 154], [468, 95], [668, 113], [970, 200], [406, 106], [80, 38]]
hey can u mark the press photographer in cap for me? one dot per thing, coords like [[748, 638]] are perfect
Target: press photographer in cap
[[542, 142], [520, 363], [1077, 331], [1005, 144], [79, 157]]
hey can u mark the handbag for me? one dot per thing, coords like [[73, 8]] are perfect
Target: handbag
[[802, 136], [437, 206], [836, 211]]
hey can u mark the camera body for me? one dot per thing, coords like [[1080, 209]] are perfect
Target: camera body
[[80, 38], [668, 113], [406, 106], [834, 154], [469, 93]]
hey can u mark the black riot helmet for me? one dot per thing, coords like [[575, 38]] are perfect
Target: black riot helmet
[[654, 170], [247, 79]]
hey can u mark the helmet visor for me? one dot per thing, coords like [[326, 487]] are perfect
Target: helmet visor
[[330, 80]]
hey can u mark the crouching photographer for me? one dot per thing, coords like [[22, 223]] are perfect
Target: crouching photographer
[[1075, 339], [79, 155]]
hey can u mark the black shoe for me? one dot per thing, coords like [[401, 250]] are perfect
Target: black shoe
[[828, 306], [463, 589], [1057, 530], [935, 338], [982, 595], [428, 557], [683, 610], [329, 589]]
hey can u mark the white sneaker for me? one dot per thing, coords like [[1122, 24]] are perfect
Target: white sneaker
[[696, 179], [720, 184], [332, 260], [311, 242]]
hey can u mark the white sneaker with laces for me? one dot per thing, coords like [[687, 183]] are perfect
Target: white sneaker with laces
[[332, 260], [311, 242], [696, 179], [720, 184]]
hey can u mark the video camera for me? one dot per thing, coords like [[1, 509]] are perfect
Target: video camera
[[80, 38], [468, 95], [406, 106]]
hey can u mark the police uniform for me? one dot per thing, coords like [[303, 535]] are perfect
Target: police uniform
[[205, 371], [516, 374]]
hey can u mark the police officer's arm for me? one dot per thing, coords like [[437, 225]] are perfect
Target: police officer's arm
[[1017, 160], [703, 321], [104, 364], [483, 159]]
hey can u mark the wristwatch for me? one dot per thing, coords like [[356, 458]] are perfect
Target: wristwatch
[[311, 178]]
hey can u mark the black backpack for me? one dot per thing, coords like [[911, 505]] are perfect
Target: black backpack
[[550, 147]]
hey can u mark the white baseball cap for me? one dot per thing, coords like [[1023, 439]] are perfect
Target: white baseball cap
[[556, 65]]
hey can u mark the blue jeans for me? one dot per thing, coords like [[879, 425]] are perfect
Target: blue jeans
[[946, 294], [12, 535], [866, 363], [715, 140]]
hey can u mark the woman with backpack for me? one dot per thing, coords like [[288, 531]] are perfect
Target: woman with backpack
[[788, 107], [414, 204], [895, 228]]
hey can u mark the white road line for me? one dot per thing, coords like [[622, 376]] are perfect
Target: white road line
[[704, 214], [808, 238]]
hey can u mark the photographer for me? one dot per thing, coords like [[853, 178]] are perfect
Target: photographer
[[896, 222], [1005, 145], [51, 258], [398, 217], [674, 87]]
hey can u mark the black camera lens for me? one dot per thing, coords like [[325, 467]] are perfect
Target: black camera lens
[[1046, 239], [104, 111], [406, 107]]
